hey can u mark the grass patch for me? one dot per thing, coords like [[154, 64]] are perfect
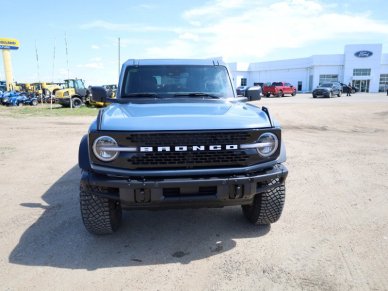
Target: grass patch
[[45, 110]]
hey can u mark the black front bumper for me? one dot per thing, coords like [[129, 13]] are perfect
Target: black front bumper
[[193, 192]]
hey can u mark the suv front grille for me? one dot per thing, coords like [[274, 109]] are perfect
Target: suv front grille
[[202, 138], [190, 159], [184, 159]]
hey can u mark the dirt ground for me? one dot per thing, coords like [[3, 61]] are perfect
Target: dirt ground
[[333, 234]]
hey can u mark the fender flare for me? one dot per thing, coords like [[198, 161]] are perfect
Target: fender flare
[[83, 154]]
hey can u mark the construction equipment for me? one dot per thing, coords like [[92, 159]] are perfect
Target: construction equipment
[[74, 94]]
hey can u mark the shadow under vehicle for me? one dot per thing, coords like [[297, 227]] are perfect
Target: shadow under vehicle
[[58, 239]]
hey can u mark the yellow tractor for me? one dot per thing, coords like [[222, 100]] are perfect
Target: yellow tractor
[[50, 88], [18, 87], [73, 94]]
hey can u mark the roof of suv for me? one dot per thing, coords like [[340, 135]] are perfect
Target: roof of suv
[[147, 62]]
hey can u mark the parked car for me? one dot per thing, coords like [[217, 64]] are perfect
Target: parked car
[[329, 89], [199, 147], [279, 89]]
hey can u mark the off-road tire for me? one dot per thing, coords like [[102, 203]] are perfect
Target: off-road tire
[[76, 102], [267, 207], [293, 93], [268, 95], [314, 96], [99, 215], [34, 102], [280, 94]]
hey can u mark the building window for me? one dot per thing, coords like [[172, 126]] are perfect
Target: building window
[[383, 86], [243, 81], [361, 72], [328, 78]]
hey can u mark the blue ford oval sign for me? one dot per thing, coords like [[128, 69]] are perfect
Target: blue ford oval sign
[[363, 54]]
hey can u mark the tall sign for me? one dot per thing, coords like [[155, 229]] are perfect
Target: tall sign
[[6, 45]]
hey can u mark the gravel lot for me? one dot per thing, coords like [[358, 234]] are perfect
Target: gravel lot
[[333, 234]]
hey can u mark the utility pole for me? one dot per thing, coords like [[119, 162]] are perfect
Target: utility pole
[[68, 74], [37, 61], [119, 54]]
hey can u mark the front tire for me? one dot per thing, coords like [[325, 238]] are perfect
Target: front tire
[[76, 102], [267, 207], [280, 94], [339, 93], [99, 215], [293, 93]]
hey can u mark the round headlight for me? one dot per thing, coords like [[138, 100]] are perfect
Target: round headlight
[[103, 148], [268, 144]]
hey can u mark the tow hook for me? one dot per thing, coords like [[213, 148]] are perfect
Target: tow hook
[[142, 195], [238, 192]]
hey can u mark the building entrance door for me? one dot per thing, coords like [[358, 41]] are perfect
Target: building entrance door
[[361, 85]]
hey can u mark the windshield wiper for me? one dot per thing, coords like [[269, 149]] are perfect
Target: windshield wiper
[[141, 94], [197, 94]]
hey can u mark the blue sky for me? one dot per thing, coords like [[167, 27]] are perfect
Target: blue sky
[[237, 30]]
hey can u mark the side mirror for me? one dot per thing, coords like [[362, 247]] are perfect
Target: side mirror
[[253, 93], [98, 94]]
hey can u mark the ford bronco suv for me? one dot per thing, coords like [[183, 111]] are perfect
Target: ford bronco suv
[[175, 136]]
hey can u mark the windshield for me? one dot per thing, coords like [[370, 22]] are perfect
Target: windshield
[[69, 84], [176, 81], [326, 85]]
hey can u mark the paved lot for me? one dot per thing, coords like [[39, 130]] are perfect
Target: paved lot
[[333, 234]]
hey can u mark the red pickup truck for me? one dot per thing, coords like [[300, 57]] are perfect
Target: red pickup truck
[[278, 89]]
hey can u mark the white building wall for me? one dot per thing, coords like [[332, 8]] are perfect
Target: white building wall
[[373, 62], [384, 64], [286, 75], [308, 70]]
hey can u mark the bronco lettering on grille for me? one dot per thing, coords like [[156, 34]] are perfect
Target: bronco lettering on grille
[[184, 148]]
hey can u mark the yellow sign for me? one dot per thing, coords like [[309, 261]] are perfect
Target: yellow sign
[[9, 43]]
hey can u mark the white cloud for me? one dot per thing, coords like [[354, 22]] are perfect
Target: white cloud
[[148, 6], [102, 24], [250, 29], [95, 47], [92, 65]]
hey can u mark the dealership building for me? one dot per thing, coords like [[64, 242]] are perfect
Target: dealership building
[[363, 65]]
